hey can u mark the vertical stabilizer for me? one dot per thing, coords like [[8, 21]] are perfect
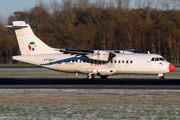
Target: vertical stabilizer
[[28, 42]]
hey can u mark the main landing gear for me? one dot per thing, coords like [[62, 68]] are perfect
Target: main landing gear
[[91, 76], [161, 76]]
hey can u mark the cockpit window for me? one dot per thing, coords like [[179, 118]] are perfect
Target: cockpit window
[[162, 59], [157, 59], [152, 59]]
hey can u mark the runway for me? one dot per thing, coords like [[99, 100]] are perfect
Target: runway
[[81, 83]]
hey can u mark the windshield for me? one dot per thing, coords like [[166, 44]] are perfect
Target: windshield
[[157, 59]]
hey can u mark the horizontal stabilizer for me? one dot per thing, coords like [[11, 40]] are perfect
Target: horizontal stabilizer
[[19, 26]]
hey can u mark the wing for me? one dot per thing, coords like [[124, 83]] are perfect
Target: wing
[[102, 55], [126, 51], [91, 54], [77, 52]]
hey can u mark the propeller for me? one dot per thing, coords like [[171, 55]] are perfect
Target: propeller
[[111, 55]]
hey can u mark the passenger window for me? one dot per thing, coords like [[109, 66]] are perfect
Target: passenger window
[[115, 61], [68, 60], [72, 60], [119, 61], [123, 61], [131, 61], [127, 61], [84, 60], [111, 61]]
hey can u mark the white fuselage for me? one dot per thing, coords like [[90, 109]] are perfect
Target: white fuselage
[[122, 63]]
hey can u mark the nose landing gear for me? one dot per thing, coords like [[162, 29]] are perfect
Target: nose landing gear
[[161, 76]]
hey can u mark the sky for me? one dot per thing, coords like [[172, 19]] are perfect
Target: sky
[[8, 7]]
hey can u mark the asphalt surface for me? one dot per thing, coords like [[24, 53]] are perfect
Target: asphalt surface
[[72, 83]]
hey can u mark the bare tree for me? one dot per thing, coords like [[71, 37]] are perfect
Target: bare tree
[[69, 14], [67, 4], [100, 4], [119, 4], [126, 3], [82, 4], [175, 4], [111, 4], [54, 7]]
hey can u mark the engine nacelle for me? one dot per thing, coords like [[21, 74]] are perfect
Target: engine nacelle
[[101, 55]]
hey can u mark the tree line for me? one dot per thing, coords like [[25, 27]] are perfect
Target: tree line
[[113, 25]]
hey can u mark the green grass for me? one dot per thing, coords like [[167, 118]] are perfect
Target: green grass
[[176, 64]]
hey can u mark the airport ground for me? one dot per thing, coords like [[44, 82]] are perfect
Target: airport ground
[[36, 77], [38, 72], [88, 104], [39, 93]]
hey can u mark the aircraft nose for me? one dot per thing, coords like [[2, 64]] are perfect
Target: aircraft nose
[[171, 68]]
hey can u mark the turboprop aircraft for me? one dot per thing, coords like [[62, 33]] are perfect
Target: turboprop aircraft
[[101, 63]]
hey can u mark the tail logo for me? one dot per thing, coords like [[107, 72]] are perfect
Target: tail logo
[[32, 46]]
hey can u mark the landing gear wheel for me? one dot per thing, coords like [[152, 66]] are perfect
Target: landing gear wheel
[[104, 77], [161, 77], [90, 77]]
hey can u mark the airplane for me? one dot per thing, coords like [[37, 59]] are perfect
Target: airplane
[[93, 63]]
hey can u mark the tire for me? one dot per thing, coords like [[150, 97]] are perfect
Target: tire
[[161, 77], [90, 77]]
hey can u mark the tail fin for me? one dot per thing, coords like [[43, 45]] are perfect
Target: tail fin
[[28, 42]]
